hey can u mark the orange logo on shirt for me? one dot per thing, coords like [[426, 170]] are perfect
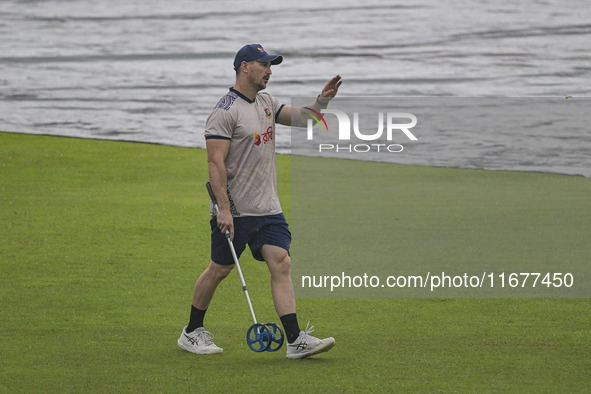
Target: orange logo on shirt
[[264, 137]]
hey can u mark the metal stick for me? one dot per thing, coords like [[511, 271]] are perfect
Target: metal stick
[[217, 210]]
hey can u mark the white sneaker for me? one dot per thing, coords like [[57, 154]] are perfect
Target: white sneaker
[[198, 341], [307, 345]]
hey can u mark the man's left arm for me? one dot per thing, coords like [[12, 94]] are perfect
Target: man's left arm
[[293, 116]]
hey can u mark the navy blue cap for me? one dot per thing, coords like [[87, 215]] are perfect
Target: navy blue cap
[[255, 52]]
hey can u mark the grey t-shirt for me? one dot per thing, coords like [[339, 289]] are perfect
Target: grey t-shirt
[[250, 165]]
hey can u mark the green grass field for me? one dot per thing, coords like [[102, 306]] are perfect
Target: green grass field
[[101, 243], [380, 219]]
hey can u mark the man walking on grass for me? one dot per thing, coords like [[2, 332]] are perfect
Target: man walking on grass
[[240, 141]]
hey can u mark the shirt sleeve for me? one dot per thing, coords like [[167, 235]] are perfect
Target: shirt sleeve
[[276, 106], [220, 124]]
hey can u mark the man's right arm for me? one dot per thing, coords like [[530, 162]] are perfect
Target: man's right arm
[[217, 151]]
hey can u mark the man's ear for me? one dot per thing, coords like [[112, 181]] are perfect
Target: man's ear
[[244, 67]]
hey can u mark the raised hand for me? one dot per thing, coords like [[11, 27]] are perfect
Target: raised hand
[[331, 88]]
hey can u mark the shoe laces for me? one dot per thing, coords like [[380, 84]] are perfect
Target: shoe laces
[[309, 329], [309, 338], [205, 336]]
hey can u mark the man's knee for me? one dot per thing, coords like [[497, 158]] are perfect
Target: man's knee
[[282, 266], [218, 271]]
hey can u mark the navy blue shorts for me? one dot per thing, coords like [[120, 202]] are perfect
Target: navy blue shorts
[[255, 231]]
